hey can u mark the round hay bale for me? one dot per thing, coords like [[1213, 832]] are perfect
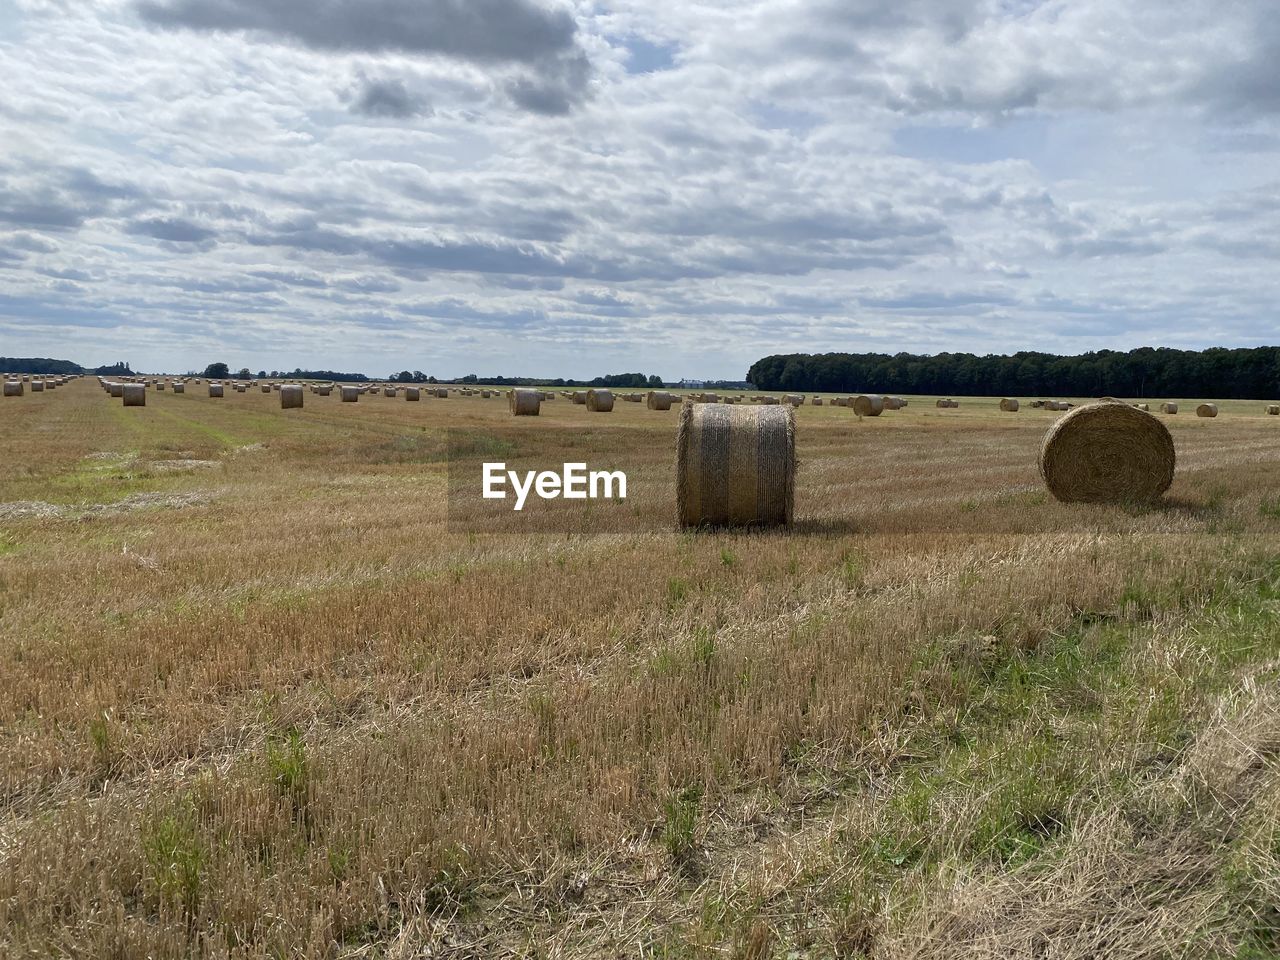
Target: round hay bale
[[1274, 410], [13, 388], [442, 393], [658, 400], [215, 389], [1009, 405], [135, 394], [794, 399], [599, 401], [735, 465], [413, 393], [948, 404], [484, 394], [389, 392], [160, 385], [768, 401], [266, 388], [524, 403], [893, 403], [291, 397], [115, 389], [580, 397], [868, 406], [37, 386], [350, 394], [817, 401], [1168, 407], [1207, 410], [323, 391], [179, 388], [1107, 453]]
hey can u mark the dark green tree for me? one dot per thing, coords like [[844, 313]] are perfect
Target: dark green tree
[[216, 371]]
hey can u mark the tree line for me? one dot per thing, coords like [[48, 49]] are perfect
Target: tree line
[[1229, 374]]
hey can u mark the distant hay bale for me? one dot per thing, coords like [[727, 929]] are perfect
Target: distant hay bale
[[948, 404], [37, 386], [893, 403], [135, 394], [179, 388], [817, 401], [442, 393], [548, 395], [711, 398], [215, 389], [1037, 404], [13, 388], [658, 400], [865, 405], [794, 399], [1168, 407], [1207, 410], [1107, 453], [115, 388], [26, 378], [266, 388], [1274, 410], [160, 385], [579, 397], [768, 401], [735, 465], [484, 394], [389, 392], [524, 403], [599, 401], [291, 397], [1009, 405], [350, 394], [413, 393], [323, 391]]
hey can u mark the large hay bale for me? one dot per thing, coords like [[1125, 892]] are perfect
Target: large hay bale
[[291, 397], [599, 401], [865, 405], [524, 403], [1107, 453], [1207, 410], [413, 393], [135, 394], [215, 389], [13, 388], [735, 465], [116, 389], [1274, 410], [658, 400], [179, 388], [350, 394], [1009, 405], [1168, 407]]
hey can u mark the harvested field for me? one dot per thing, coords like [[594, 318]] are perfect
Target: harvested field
[[278, 704]]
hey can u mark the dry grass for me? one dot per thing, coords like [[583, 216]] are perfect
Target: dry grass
[[275, 706]]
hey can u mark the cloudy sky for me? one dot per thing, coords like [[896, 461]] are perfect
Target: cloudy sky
[[568, 188]]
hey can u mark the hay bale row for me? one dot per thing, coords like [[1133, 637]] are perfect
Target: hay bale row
[[735, 465]]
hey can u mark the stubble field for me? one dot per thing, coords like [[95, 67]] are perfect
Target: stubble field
[[265, 692]]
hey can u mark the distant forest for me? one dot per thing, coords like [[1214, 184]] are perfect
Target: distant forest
[[1242, 374], [47, 366]]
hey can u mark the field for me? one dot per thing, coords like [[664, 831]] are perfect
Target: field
[[266, 692]]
